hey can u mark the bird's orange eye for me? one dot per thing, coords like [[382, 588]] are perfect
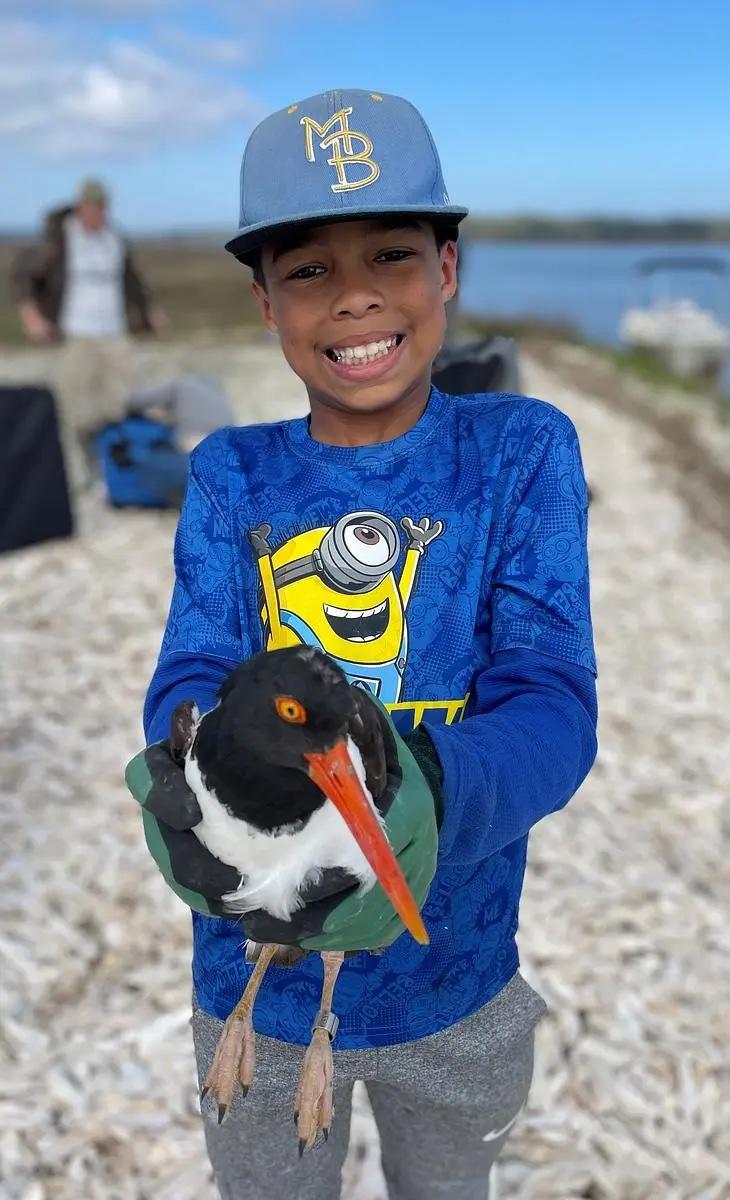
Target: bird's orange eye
[[290, 710]]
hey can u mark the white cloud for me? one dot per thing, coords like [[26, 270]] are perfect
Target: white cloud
[[63, 98], [223, 51], [122, 100]]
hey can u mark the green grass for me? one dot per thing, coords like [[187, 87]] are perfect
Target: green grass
[[9, 326], [648, 367], [523, 329], [199, 286]]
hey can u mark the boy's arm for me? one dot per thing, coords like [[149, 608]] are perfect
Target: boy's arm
[[203, 640], [531, 738]]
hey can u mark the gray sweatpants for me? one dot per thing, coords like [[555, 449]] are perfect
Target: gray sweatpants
[[443, 1105]]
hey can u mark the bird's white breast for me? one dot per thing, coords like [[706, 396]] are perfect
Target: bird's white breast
[[275, 867]]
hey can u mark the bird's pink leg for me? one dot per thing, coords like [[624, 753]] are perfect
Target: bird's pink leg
[[235, 1053], [313, 1106]]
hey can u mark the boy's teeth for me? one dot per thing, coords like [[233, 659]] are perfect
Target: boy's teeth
[[367, 352]]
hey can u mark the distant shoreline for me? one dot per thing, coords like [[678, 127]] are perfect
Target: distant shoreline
[[699, 230], [598, 229]]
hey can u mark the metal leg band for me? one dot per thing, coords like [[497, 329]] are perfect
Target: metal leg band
[[328, 1021]]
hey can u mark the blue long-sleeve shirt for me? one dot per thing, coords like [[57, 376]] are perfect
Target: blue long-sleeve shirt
[[447, 572]]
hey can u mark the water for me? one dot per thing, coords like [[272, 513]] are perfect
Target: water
[[588, 285]]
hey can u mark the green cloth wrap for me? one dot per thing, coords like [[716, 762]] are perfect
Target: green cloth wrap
[[139, 782]]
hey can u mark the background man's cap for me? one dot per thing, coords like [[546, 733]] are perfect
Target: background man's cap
[[336, 156], [91, 191]]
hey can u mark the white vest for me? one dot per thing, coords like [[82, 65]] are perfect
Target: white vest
[[93, 296]]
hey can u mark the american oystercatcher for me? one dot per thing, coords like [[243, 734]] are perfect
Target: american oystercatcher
[[288, 770]]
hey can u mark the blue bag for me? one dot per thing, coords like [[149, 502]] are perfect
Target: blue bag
[[140, 464]]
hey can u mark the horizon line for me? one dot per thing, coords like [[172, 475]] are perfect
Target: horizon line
[[503, 218]]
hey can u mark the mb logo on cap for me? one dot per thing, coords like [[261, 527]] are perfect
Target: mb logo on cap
[[343, 154]]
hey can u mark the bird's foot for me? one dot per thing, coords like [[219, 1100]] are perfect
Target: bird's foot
[[313, 1107], [233, 1063]]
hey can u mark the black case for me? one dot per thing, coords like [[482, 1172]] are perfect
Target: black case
[[34, 499]]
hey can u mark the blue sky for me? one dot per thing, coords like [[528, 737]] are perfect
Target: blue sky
[[552, 106]]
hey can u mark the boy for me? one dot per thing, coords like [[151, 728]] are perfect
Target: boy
[[435, 547]]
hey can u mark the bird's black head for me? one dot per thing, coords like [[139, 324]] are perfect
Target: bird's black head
[[274, 709], [285, 703]]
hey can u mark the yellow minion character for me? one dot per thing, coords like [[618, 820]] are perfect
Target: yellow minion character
[[335, 587]]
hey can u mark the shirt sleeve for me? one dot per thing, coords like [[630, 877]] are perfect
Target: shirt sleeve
[[203, 641], [539, 596], [530, 737], [521, 755]]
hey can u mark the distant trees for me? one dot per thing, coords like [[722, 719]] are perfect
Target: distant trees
[[598, 229]]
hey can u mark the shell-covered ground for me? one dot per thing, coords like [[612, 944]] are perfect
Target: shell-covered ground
[[624, 924]]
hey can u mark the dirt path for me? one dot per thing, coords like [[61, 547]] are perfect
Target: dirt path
[[623, 925]]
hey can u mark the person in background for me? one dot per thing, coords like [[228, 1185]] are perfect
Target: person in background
[[195, 405], [79, 285]]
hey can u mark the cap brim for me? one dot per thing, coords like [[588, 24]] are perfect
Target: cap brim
[[248, 242]]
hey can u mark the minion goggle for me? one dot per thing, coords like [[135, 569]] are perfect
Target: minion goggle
[[355, 555]]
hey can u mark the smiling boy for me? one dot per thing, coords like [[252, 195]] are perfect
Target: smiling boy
[[435, 547], [298, 285]]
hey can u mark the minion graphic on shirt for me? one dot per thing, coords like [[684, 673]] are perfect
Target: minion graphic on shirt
[[335, 587]]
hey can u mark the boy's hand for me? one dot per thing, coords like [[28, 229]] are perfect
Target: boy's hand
[[169, 812], [336, 914]]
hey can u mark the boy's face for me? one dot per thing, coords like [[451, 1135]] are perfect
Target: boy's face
[[359, 309]]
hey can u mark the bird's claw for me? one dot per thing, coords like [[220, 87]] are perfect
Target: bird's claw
[[313, 1108], [233, 1063]]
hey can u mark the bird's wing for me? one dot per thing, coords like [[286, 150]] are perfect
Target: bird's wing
[[367, 733]]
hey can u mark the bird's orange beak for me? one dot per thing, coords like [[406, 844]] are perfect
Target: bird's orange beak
[[335, 775]]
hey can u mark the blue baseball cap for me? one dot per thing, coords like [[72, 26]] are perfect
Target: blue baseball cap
[[338, 156]]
